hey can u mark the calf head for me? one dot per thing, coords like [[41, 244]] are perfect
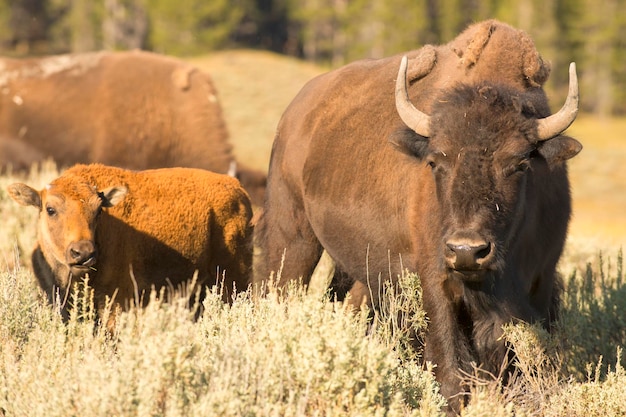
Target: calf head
[[68, 215], [483, 143]]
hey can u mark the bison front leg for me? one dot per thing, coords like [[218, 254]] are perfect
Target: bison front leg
[[288, 245], [446, 341]]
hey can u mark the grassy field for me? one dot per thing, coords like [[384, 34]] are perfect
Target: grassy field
[[296, 354], [598, 176], [255, 87]]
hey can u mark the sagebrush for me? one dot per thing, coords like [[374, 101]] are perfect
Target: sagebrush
[[289, 353]]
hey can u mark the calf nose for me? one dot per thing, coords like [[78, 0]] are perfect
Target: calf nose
[[82, 253], [468, 254]]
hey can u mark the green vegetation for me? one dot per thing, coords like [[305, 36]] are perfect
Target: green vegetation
[[330, 32]]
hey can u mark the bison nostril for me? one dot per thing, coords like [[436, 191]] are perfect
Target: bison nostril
[[468, 255], [483, 251]]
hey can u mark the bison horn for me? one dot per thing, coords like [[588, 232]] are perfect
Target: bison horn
[[554, 125], [412, 117]]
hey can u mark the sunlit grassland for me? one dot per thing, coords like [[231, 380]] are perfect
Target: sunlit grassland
[[255, 87], [293, 353], [598, 177]]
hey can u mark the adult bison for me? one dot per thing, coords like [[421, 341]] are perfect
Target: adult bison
[[474, 196], [131, 231], [136, 110]]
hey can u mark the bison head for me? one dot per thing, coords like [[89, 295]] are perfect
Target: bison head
[[68, 213], [485, 143]]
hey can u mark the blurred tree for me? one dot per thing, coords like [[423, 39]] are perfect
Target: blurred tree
[[331, 32], [449, 17], [82, 25], [380, 33], [334, 32], [276, 31], [184, 27], [618, 59], [124, 24], [603, 61], [26, 25]]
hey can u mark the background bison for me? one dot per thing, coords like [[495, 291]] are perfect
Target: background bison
[[474, 197], [136, 110], [131, 231]]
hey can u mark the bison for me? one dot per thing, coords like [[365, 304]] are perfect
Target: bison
[[135, 110], [473, 195], [131, 231]]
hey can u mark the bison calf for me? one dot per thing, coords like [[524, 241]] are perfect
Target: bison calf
[[147, 229]]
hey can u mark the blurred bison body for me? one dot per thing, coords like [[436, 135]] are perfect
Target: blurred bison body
[[135, 110], [474, 197], [131, 231]]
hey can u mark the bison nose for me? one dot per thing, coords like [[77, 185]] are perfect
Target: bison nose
[[81, 253], [468, 254]]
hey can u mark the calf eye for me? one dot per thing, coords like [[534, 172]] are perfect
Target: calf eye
[[51, 211]]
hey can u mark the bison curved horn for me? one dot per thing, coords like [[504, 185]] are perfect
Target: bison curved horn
[[552, 126], [412, 117]]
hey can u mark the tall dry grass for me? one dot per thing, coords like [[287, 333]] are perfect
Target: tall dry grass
[[290, 353], [285, 354]]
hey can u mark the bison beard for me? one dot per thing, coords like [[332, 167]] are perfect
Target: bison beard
[[474, 197]]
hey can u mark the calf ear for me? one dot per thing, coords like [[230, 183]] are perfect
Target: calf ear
[[113, 195], [25, 195], [559, 149]]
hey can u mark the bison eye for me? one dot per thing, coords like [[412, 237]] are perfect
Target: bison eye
[[437, 160], [51, 211]]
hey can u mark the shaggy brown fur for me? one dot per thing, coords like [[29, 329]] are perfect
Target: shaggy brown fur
[[157, 225], [346, 177], [136, 110]]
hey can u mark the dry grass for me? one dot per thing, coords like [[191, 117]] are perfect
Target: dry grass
[[288, 354]]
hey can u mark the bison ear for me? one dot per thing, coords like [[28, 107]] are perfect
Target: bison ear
[[25, 195], [410, 143], [559, 149], [113, 195]]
